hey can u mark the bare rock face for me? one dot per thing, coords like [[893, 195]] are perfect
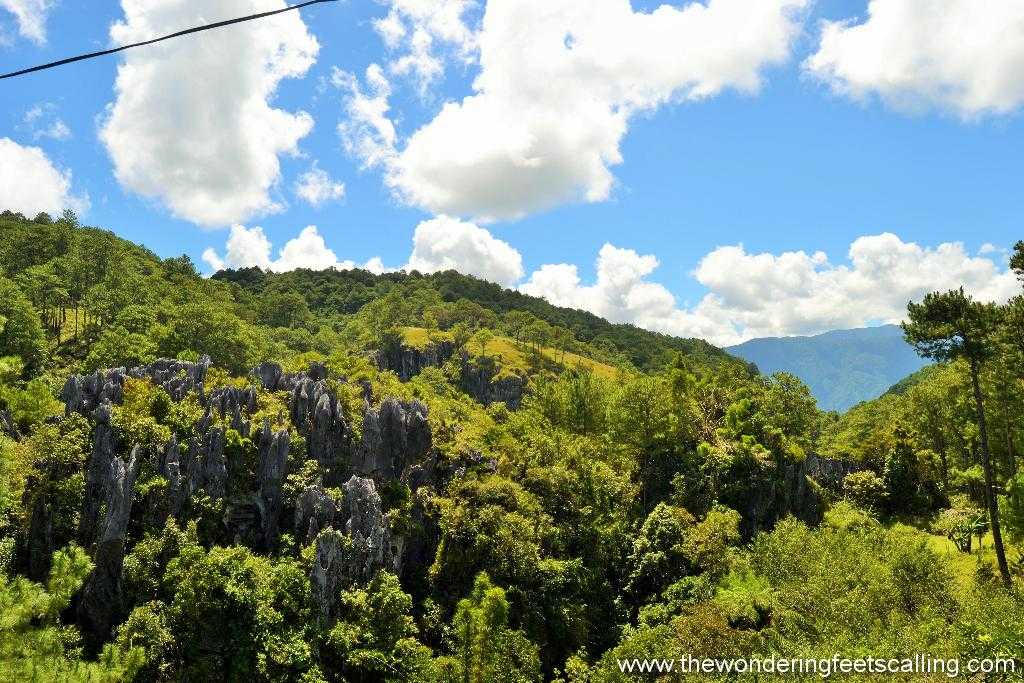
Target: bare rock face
[[482, 382], [84, 393], [273, 467], [394, 436], [7, 426], [232, 405], [318, 415], [407, 362], [794, 489], [101, 604], [315, 510], [355, 557], [328, 571], [97, 474], [371, 549]]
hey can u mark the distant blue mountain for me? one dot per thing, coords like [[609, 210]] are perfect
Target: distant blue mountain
[[842, 368]]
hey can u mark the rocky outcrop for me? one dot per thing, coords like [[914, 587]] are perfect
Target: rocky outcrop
[[101, 603], [395, 435], [97, 473], [233, 404], [371, 547], [7, 426], [315, 510], [84, 393], [484, 382], [829, 472], [318, 415], [273, 378], [795, 488], [407, 361], [355, 557], [273, 467], [328, 572]]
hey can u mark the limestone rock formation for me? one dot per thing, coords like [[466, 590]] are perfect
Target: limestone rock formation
[[84, 393], [104, 448], [356, 556], [797, 490], [407, 361], [315, 510], [7, 426], [318, 415], [273, 466], [395, 435], [101, 604], [483, 381]]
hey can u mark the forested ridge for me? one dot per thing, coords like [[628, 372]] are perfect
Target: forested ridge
[[341, 476]]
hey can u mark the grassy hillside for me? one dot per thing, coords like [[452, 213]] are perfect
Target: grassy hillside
[[842, 368]]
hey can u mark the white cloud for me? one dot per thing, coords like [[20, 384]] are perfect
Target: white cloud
[[43, 121], [317, 187], [446, 243], [30, 183], [559, 82], [193, 125], [248, 247], [30, 16], [367, 132], [419, 31], [960, 55], [758, 295]]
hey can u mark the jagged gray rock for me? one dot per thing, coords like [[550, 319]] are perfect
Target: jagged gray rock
[[318, 415], [233, 405], [794, 490], [269, 374], [355, 557], [327, 574], [209, 463], [371, 548], [273, 467], [84, 393], [101, 603], [407, 362], [315, 510], [7, 426], [394, 436], [481, 382], [104, 448]]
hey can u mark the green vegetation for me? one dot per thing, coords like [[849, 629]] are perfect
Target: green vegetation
[[435, 479]]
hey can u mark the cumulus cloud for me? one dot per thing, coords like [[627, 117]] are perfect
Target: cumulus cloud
[[30, 16], [43, 121], [192, 124], [446, 243], [418, 32], [248, 247], [317, 187], [558, 84], [958, 55], [30, 183], [757, 295]]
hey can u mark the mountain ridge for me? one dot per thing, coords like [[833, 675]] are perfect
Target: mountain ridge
[[841, 367]]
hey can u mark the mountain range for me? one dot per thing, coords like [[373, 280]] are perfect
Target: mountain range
[[842, 367]]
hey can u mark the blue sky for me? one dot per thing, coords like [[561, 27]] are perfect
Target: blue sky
[[811, 161]]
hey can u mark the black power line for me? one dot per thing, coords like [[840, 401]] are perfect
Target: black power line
[[195, 29]]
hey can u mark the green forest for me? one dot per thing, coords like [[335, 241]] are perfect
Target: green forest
[[340, 476]]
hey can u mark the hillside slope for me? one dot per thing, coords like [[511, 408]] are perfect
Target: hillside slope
[[842, 368]]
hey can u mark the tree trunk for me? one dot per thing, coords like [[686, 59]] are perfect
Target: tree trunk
[[986, 463]]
